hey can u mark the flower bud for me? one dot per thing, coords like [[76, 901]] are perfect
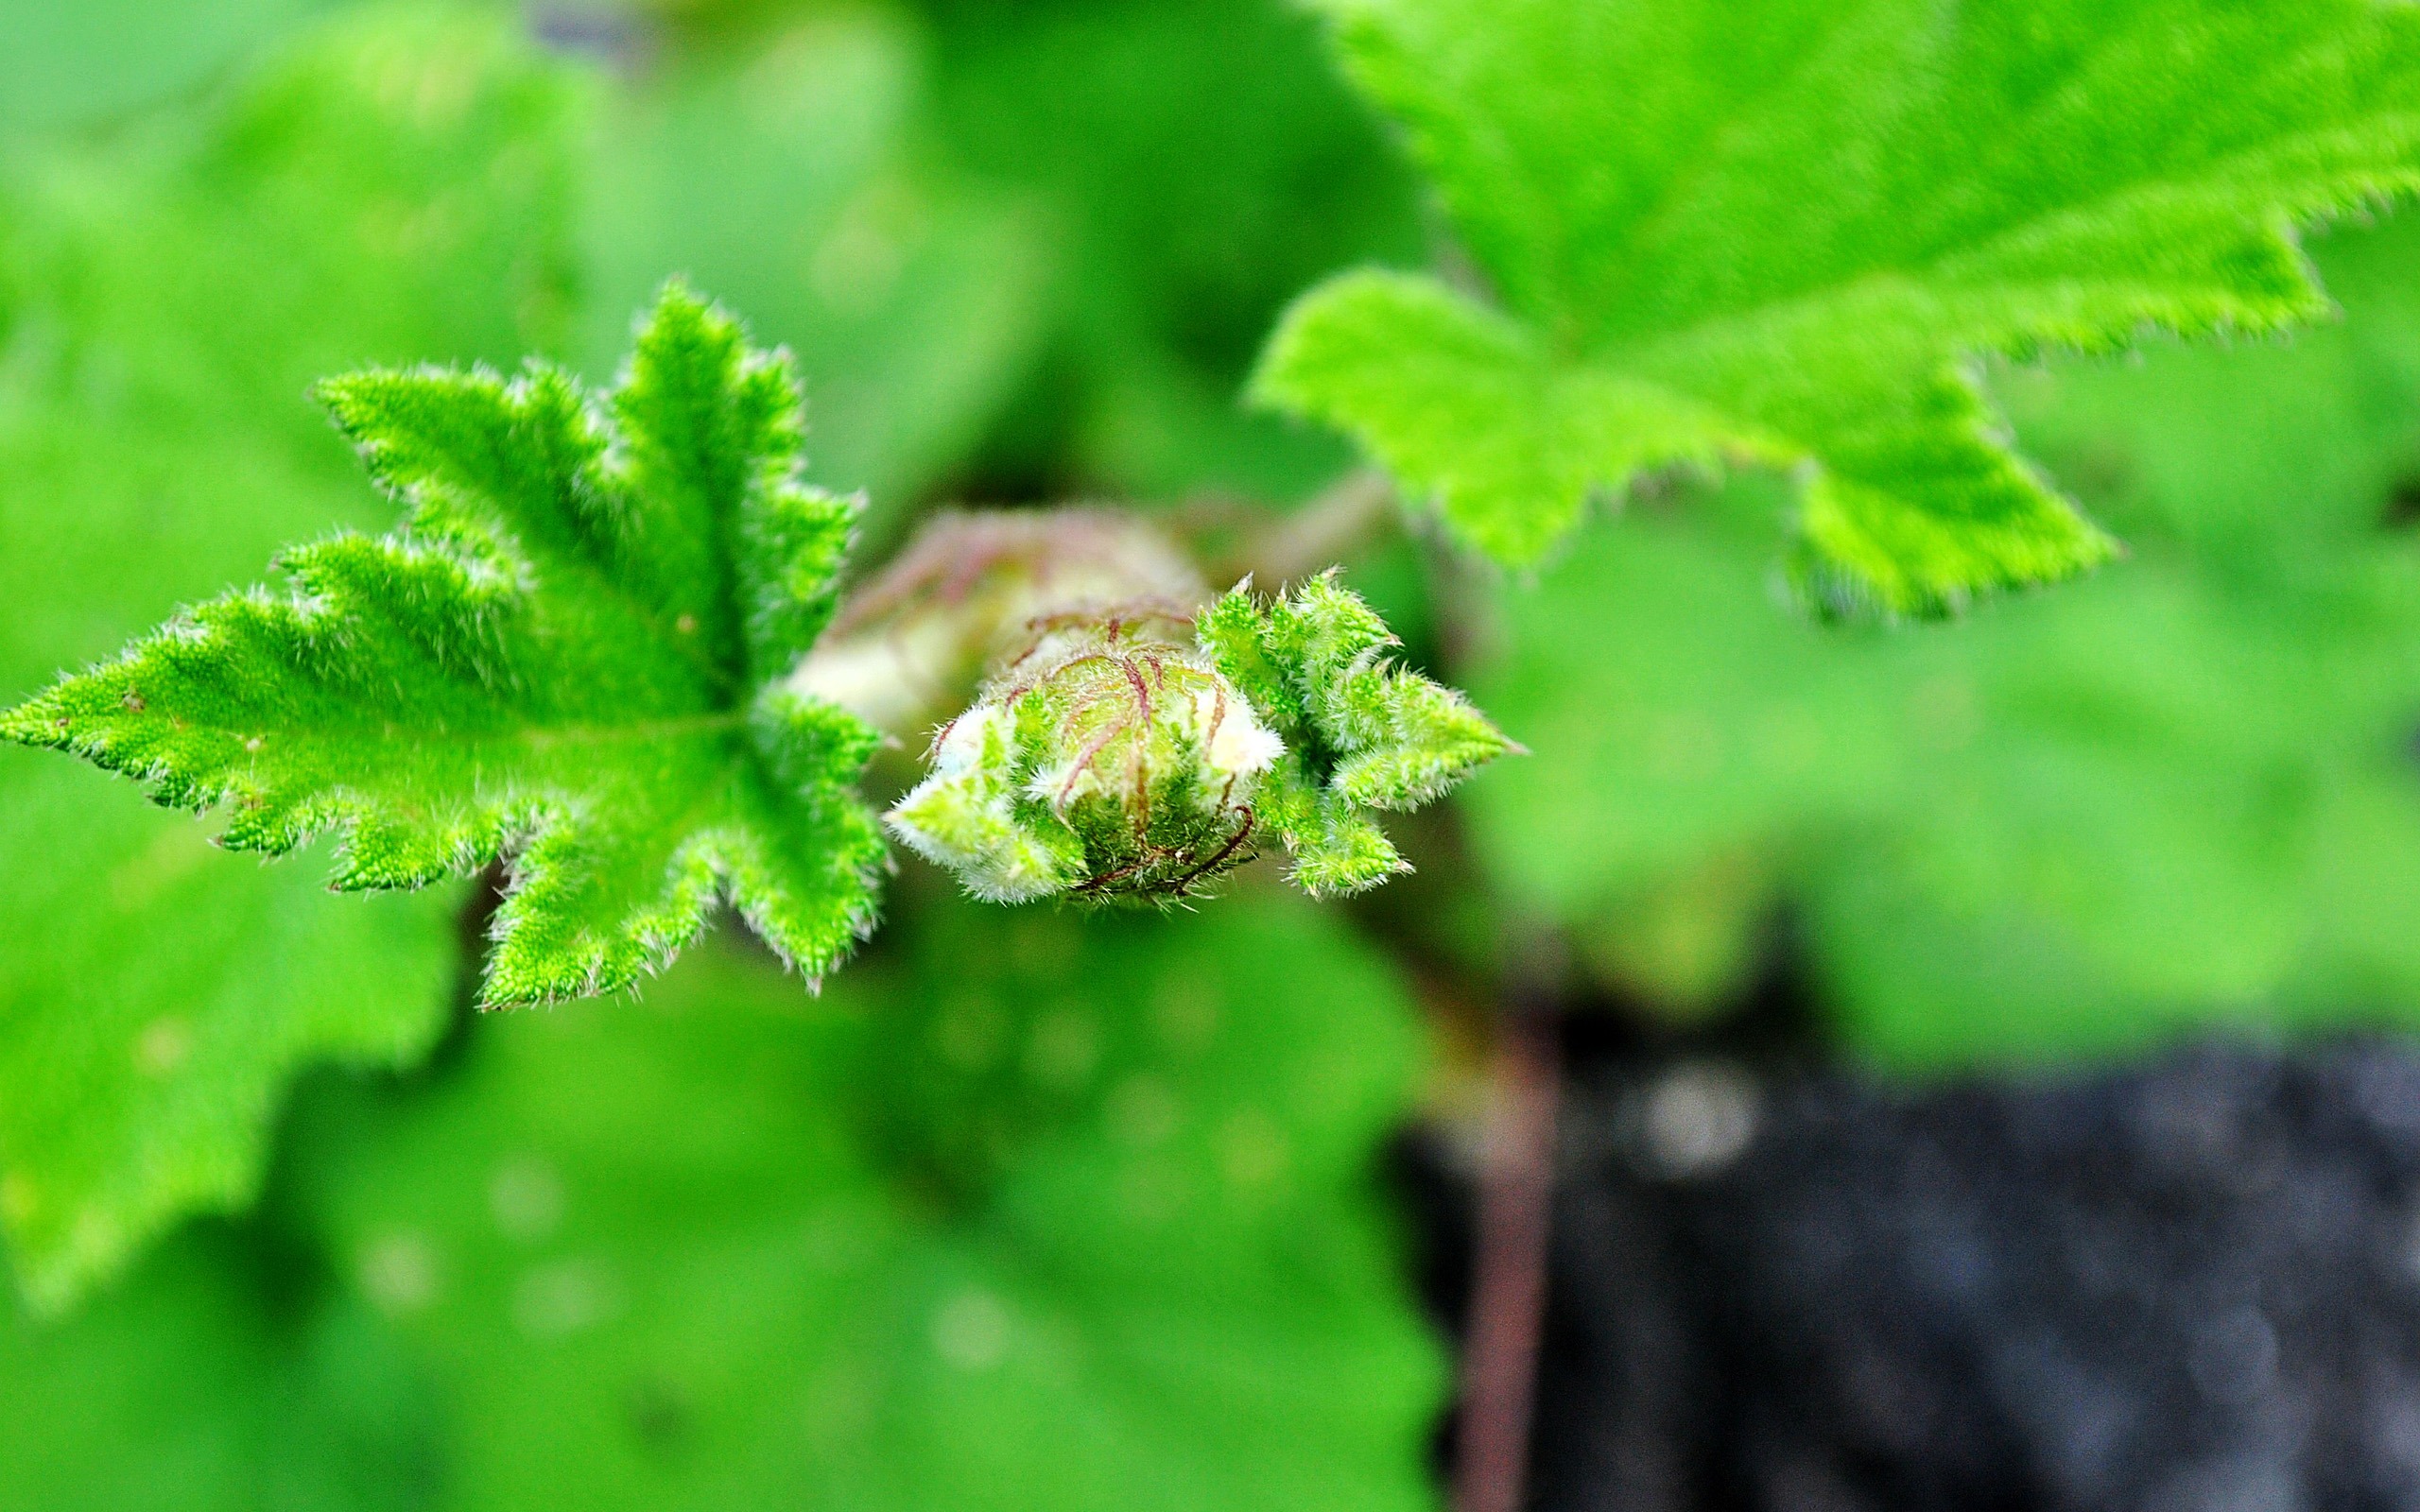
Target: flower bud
[[913, 644], [1111, 761]]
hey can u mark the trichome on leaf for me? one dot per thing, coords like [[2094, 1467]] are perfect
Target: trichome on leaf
[[1782, 233], [570, 656]]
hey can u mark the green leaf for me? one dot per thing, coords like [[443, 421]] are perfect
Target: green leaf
[[1049, 1214], [1784, 233], [569, 654], [197, 1386], [1360, 732], [2077, 824], [155, 999], [169, 298], [1263, 176], [72, 65], [911, 301], [2256, 868]]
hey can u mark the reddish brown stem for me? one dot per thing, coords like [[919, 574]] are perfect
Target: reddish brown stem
[[1509, 1292]]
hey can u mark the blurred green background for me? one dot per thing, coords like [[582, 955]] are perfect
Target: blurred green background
[[1027, 1210]]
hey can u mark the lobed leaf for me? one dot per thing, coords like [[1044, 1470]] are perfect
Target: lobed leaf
[[2095, 820], [1040, 1212], [568, 654], [1784, 234], [155, 444]]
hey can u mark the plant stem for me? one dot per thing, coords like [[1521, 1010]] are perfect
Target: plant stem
[[1508, 1296], [1339, 523]]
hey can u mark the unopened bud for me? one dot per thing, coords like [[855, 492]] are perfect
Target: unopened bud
[[1113, 761]]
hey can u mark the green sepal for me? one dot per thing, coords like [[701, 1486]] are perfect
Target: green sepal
[[1360, 732]]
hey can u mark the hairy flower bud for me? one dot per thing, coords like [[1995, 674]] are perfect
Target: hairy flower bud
[[1136, 739], [1112, 761]]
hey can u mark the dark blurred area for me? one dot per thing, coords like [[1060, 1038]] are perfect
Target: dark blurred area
[[1780, 1287]]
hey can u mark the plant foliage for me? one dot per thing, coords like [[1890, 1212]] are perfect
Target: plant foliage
[[1068, 1212], [1044, 1206], [154, 446], [1133, 760], [1040, 1210], [2092, 820], [1783, 232], [569, 655], [395, 186]]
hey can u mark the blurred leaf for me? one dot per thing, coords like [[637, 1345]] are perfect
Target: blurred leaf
[[776, 175], [189, 1388], [2180, 792], [1778, 234], [391, 191], [1060, 1215], [69, 63], [1197, 162]]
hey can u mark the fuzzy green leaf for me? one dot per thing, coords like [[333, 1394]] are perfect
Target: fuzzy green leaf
[[170, 294], [1782, 232], [569, 654], [1359, 731]]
